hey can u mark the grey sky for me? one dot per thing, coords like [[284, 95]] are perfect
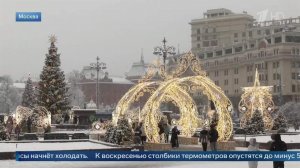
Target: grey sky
[[114, 30]]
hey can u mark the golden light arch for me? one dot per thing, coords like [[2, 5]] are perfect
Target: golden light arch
[[189, 116], [175, 88]]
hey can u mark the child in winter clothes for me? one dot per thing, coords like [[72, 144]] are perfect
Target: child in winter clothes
[[253, 146]]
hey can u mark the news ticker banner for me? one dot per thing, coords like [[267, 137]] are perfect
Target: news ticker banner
[[95, 155]]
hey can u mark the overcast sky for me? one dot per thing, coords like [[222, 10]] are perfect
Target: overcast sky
[[114, 30]]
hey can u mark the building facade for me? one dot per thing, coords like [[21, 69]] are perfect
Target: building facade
[[231, 46]]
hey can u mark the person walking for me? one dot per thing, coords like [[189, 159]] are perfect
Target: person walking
[[17, 131], [143, 134], [29, 122], [174, 137], [203, 138], [278, 145], [166, 131], [213, 137], [253, 146], [137, 135]]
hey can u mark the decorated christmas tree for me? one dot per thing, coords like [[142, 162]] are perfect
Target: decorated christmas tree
[[256, 124], [28, 97], [52, 91], [124, 129], [280, 122]]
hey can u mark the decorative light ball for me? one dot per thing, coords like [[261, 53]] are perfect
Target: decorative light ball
[[97, 126], [269, 109], [47, 100], [244, 108], [59, 96], [45, 85], [229, 108]]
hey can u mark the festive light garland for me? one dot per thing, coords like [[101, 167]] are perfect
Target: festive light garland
[[257, 98], [176, 89]]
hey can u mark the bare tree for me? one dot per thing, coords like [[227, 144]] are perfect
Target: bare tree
[[10, 97]]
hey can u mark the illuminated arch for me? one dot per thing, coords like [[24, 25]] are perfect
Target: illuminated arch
[[176, 89], [189, 116], [133, 95]]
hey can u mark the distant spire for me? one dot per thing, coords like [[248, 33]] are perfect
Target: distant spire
[[178, 51], [142, 56], [256, 81]]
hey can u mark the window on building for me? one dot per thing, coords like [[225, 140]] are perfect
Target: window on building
[[276, 51], [236, 81], [259, 32], [214, 29], [226, 91], [275, 65], [236, 35], [206, 30], [249, 68], [293, 88], [236, 70], [217, 83], [293, 75], [276, 76], [216, 73], [278, 39], [295, 51], [249, 79], [236, 59], [250, 33], [228, 51], [244, 34], [238, 49], [198, 31], [226, 82], [267, 32], [216, 62], [201, 55], [205, 43], [292, 39], [209, 55], [219, 53], [225, 72], [198, 45], [252, 45], [214, 42], [198, 38]]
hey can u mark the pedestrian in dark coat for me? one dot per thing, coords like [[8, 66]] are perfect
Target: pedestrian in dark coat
[[213, 137], [278, 145], [174, 137], [203, 138], [17, 131]]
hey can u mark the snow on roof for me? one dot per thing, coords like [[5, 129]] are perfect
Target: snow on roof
[[19, 85], [137, 69], [120, 80]]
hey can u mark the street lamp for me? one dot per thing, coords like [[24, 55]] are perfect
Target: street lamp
[[164, 51], [98, 66]]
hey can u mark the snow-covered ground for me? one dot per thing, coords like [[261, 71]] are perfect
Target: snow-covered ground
[[14, 164], [11, 147], [286, 138]]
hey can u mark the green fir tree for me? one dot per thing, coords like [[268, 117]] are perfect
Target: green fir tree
[[280, 122], [28, 97], [52, 90]]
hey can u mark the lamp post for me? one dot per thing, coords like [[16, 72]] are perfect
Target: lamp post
[[164, 51], [98, 66]]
